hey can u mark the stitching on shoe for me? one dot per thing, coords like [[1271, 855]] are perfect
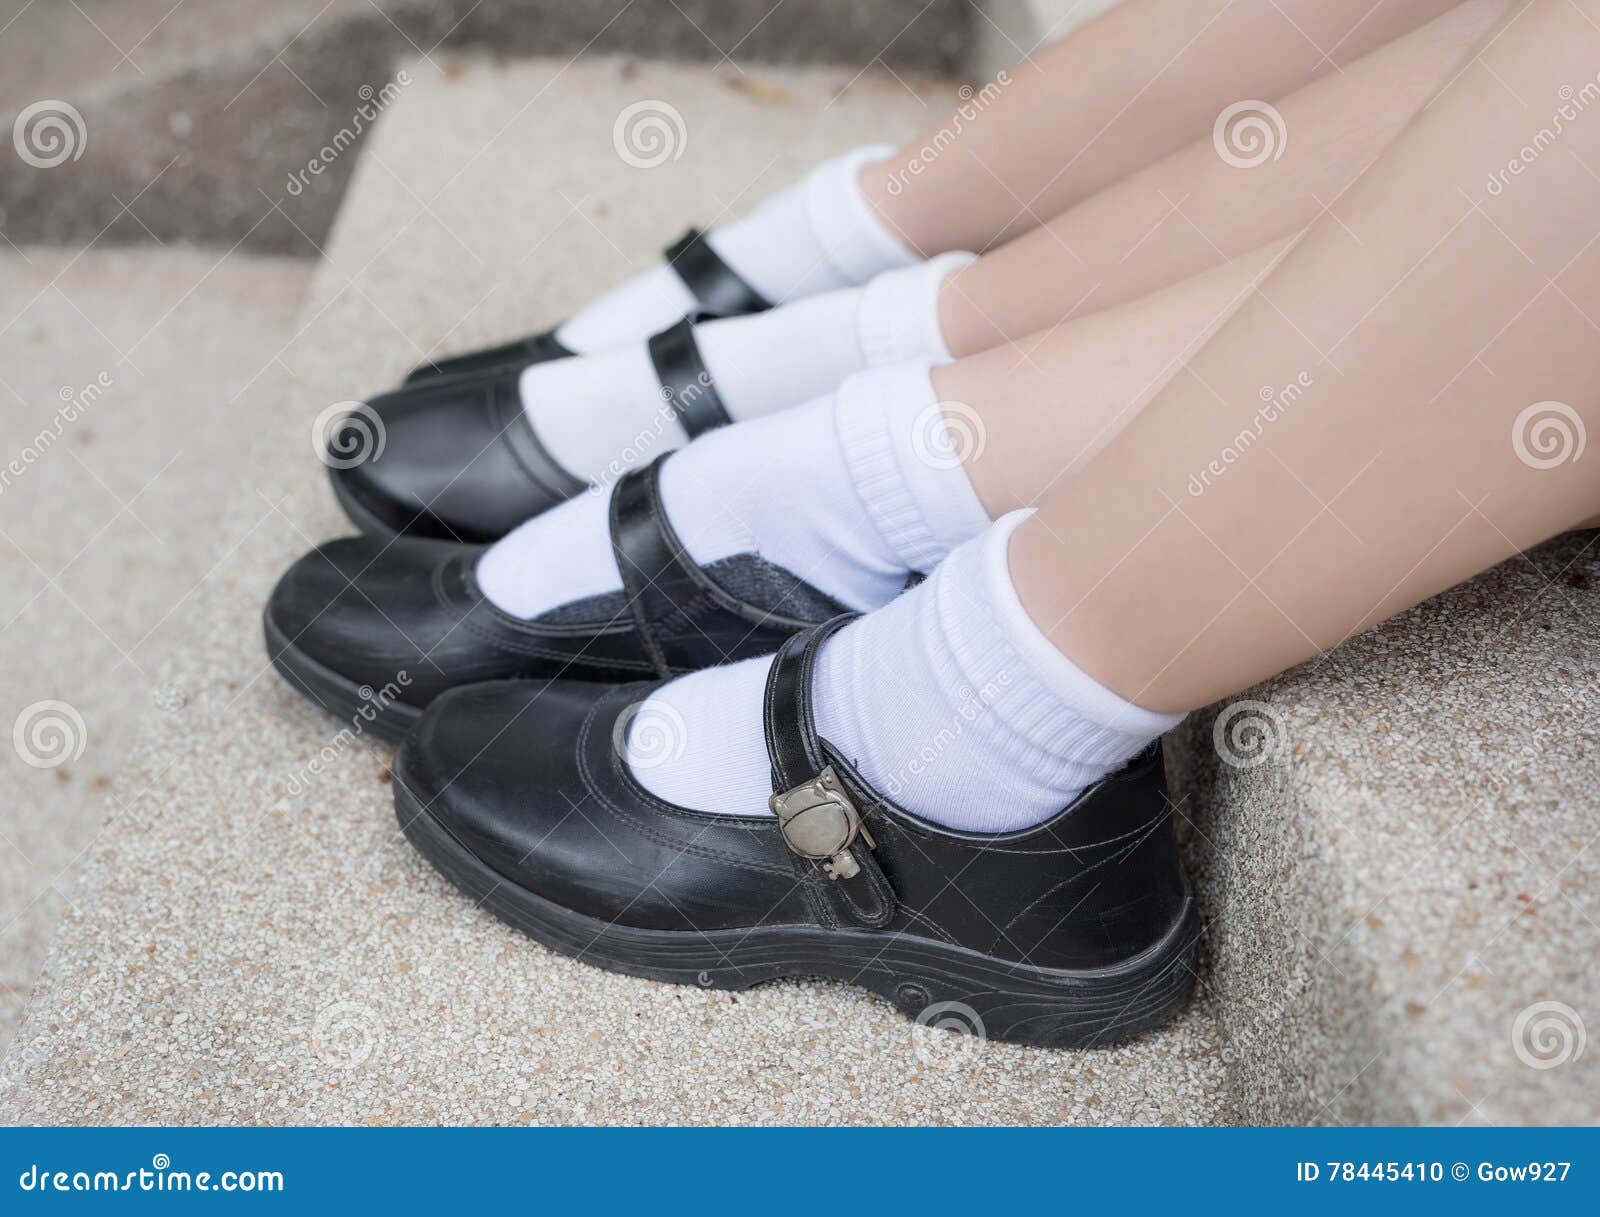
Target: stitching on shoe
[[477, 604], [466, 620], [907, 823], [921, 918]]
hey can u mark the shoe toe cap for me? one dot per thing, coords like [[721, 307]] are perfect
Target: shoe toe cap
[[449, 458], [523, 776], [495, 765], [359, 607]]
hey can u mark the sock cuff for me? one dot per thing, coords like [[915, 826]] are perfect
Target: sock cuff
[[899, 317], [1105, 728], [853, 238], [905, 464]]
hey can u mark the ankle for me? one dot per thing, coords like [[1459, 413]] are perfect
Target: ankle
[[943, 702], [905, 464], [779, 488], [953, 704], [816, 236]]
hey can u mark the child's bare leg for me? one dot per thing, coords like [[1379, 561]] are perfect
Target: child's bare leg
[[1199, 207], [1032, 413], [1126, 90], [1434, 365]]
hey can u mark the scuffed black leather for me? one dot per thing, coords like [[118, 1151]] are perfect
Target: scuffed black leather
[[536, 348], [530, 777], [367, 609], [458, 462]]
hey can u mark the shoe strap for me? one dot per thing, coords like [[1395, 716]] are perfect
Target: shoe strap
[[820, 813], [669, 595], [650, 558], [686, 384], [504, 402], [710, 280]]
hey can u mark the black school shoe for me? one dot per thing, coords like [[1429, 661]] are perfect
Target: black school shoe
[[458, 461], [378, 629], [716, 287], [1079, 933], [449, 455]]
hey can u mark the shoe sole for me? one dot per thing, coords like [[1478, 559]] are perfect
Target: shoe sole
[[339, 695], [933, 982]]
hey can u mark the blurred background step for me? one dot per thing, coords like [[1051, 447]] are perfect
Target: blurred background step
[[131, 384], [213, 121], [1399, 846], [255, 941], [1008, 30]]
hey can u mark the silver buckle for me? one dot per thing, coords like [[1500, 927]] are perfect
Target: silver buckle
[[819, 822]]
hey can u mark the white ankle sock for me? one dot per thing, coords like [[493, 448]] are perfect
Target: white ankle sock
[[769, 361], [553, 559], [835, 492], [600, 414], [780, 487], [949, 701], [814, 236]]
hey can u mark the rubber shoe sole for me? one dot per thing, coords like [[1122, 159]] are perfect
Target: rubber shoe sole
[[933, 982]]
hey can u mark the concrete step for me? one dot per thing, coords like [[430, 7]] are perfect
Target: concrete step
[[256, 942], [1400, 851], [1013, 29], [123, 407], [195, 121]]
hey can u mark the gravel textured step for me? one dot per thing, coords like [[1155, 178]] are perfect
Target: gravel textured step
[[1401, 851], [124, 406], [211, 120], [254, 941]]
